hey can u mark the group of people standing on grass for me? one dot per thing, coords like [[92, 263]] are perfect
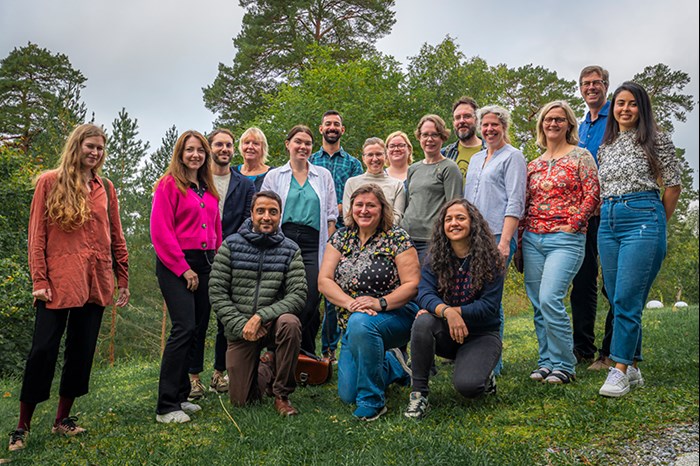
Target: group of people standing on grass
[[403, 252]]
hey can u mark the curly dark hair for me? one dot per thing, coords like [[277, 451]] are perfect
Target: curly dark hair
[[486, 261]]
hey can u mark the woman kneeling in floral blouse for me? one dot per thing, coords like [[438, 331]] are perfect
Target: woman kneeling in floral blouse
[[370, 271]]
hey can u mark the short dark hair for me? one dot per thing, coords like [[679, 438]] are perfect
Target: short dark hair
[[464, 100], [268, 194], [332, 112], [226, 131]]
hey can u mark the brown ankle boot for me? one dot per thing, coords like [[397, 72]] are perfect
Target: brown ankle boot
[[284, 407]]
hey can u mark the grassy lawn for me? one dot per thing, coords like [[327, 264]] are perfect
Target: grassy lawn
[[526, 423]]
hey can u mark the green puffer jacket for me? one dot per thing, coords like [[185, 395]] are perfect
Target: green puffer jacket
[[255, 273]]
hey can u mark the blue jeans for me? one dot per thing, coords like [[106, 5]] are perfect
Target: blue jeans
[[330, 332], [551, 261], [513, 247], [365, 368], [632, 246]]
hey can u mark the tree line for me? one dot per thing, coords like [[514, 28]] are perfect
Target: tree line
[[274, 84]]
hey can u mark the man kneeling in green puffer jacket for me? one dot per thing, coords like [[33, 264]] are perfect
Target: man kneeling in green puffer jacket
[[257, 287]]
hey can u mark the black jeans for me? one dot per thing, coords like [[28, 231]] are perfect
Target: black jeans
[[584, 300], [474, 359], [189, 315], [307, 240], [83, 327]]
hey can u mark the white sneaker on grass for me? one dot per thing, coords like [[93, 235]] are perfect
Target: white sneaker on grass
[[178, 417], [190, 408], [417, 406], [616, 385], [635, 377]]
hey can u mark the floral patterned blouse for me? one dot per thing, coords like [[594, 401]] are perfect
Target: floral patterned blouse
[[561, 192], [624, 167], [369, 269]]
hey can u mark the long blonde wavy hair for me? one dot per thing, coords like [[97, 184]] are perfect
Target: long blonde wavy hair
[[67, 204]]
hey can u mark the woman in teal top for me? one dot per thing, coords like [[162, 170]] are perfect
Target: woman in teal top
[[309, 212]]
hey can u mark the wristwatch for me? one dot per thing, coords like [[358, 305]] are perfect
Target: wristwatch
[[383, 304]]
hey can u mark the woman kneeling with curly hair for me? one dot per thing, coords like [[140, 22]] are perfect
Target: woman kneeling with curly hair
[[460, 293]]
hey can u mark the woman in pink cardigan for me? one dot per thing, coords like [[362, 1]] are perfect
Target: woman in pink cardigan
[[186, 232]]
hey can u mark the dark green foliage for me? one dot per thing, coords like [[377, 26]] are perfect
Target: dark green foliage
[[274, 42], [664, 87], [39, 96], [16, 312]]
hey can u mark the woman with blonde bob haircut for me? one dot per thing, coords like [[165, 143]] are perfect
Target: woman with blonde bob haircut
[[76, 245], [186, 232], [399, 155], [571, 132], [254, 149]]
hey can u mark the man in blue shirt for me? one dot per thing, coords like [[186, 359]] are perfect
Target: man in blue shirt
[[342, 166], [593, 81]]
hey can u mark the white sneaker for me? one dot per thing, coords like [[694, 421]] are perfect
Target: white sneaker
[[635, 377], [190, 408], [178, 417], [616, 385]]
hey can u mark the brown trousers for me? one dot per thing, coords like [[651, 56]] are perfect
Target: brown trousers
[[249, 378]]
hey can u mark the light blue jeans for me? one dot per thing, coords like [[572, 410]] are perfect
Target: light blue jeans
[[513, 247], [632, 246], [365, 367], [550, 263]]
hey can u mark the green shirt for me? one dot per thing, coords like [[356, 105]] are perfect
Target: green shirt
[[303, 206]]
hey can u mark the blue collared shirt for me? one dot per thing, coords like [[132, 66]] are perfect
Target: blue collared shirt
[[342, 166], [591, 133]]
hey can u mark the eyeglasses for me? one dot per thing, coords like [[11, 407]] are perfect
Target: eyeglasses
[[595, 82], [557, 120], [397, 146], [429, 135], [374, 155]]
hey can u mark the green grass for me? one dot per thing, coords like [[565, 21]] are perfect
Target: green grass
[[526, 423]]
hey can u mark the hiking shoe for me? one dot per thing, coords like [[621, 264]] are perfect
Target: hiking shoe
[[219, 383], [560, 377], [490, 388], [18, 439], [178, 417], [635, 377], [197, 390], [364, 413], [616, 385], [403, 360], [603, 363], [417, 406], [190, 408], [68, 427]]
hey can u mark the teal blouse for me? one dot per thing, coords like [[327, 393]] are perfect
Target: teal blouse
[[303, 206]]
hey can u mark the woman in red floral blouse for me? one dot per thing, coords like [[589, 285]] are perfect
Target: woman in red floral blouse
[[562, 192]]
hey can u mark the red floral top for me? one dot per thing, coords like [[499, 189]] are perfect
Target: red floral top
[[561, 192]]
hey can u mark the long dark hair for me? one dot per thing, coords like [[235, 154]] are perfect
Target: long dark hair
[[486, 261], [647, 129]]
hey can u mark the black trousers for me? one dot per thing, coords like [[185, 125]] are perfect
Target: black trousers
[[474, 359], [307, 240], [584, 300], [189, 315], [83, 327]]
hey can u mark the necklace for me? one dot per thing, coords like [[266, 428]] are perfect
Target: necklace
[[461, 267]]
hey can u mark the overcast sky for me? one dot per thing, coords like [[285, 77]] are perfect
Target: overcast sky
[[153, 58]]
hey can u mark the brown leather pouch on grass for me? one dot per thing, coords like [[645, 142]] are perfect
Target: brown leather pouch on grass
[[312, 370]]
